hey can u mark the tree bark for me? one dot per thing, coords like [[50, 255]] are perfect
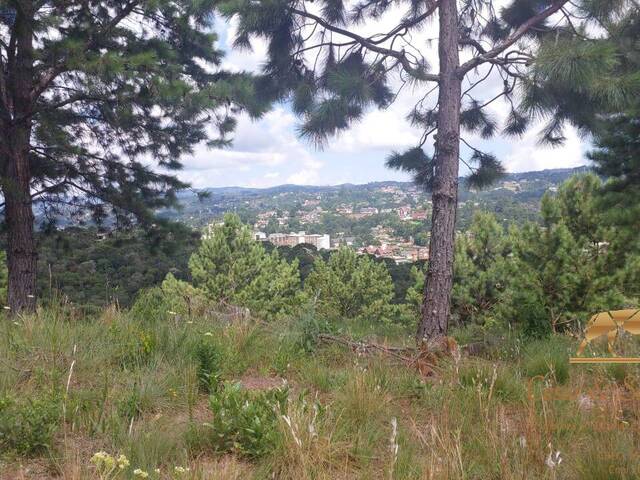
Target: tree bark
[[21, 251], [439, 278], [16, 185]]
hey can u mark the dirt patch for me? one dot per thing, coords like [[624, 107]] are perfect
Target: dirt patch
[[256, 382], [226, 467], [36, 469]]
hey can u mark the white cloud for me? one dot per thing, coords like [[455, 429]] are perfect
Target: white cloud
[[262, 152], [527, 154], [303, 177], [240, 60]]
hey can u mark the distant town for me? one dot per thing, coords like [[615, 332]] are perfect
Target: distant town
[[388, 220], [386, 244]]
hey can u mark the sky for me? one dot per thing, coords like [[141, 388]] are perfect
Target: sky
[[268, 152]]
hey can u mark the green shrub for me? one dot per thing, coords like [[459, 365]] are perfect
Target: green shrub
[[27, 427], [150, 306], [547, 357], [208, 365], [134, 401], [172, 299], [310, 328], [530, 311], [246, 422], [133, 345]]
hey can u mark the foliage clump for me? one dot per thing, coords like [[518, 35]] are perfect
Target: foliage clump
[[571, 265], [547, 358], [543, 277], [246, 422], [27, 426], [209, 361]]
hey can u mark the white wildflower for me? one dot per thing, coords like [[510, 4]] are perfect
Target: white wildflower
[[293, 430], [553, 459], [523, 441], [140, 473], [585, 402], [123, 462]]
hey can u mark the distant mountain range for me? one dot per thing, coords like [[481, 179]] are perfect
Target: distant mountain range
[[553, 175], [514, 198]]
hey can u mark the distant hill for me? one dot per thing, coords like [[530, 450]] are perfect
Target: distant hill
[[554, 175], [516, 197]]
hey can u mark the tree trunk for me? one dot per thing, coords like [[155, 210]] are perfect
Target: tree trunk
[[21, 251], [439, 278], [16, 185]]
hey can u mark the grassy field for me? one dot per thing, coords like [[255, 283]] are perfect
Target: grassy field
[[129, 396]]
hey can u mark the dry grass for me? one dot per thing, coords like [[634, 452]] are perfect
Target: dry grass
[[129, 388]]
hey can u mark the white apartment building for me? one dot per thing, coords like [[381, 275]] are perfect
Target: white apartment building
[[293, 239]]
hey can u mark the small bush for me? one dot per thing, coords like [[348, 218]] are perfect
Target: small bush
[[246, 422], [209, 365], [310, 327], [150, 306], [171, 300], [27, 427], [135, 399], [133, 345]]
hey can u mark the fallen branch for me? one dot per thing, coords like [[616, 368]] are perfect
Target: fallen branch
[[364, 348], [421, 359]]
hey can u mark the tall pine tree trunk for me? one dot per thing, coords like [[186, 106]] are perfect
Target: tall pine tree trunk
[[439, 279], [21, 252]]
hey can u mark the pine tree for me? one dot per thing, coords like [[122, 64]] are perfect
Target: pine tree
[[482, 270], [332, 72], [351, 286], [92, 93], [230, 267], [569, 267], [415, 292]]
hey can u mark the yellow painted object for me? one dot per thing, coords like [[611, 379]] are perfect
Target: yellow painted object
[[608, 323]]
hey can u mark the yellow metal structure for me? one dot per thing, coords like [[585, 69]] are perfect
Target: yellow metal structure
[[609, 323]]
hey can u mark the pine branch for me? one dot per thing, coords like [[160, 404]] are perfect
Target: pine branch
[[370, 45], [513, 38], [51, 74]]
